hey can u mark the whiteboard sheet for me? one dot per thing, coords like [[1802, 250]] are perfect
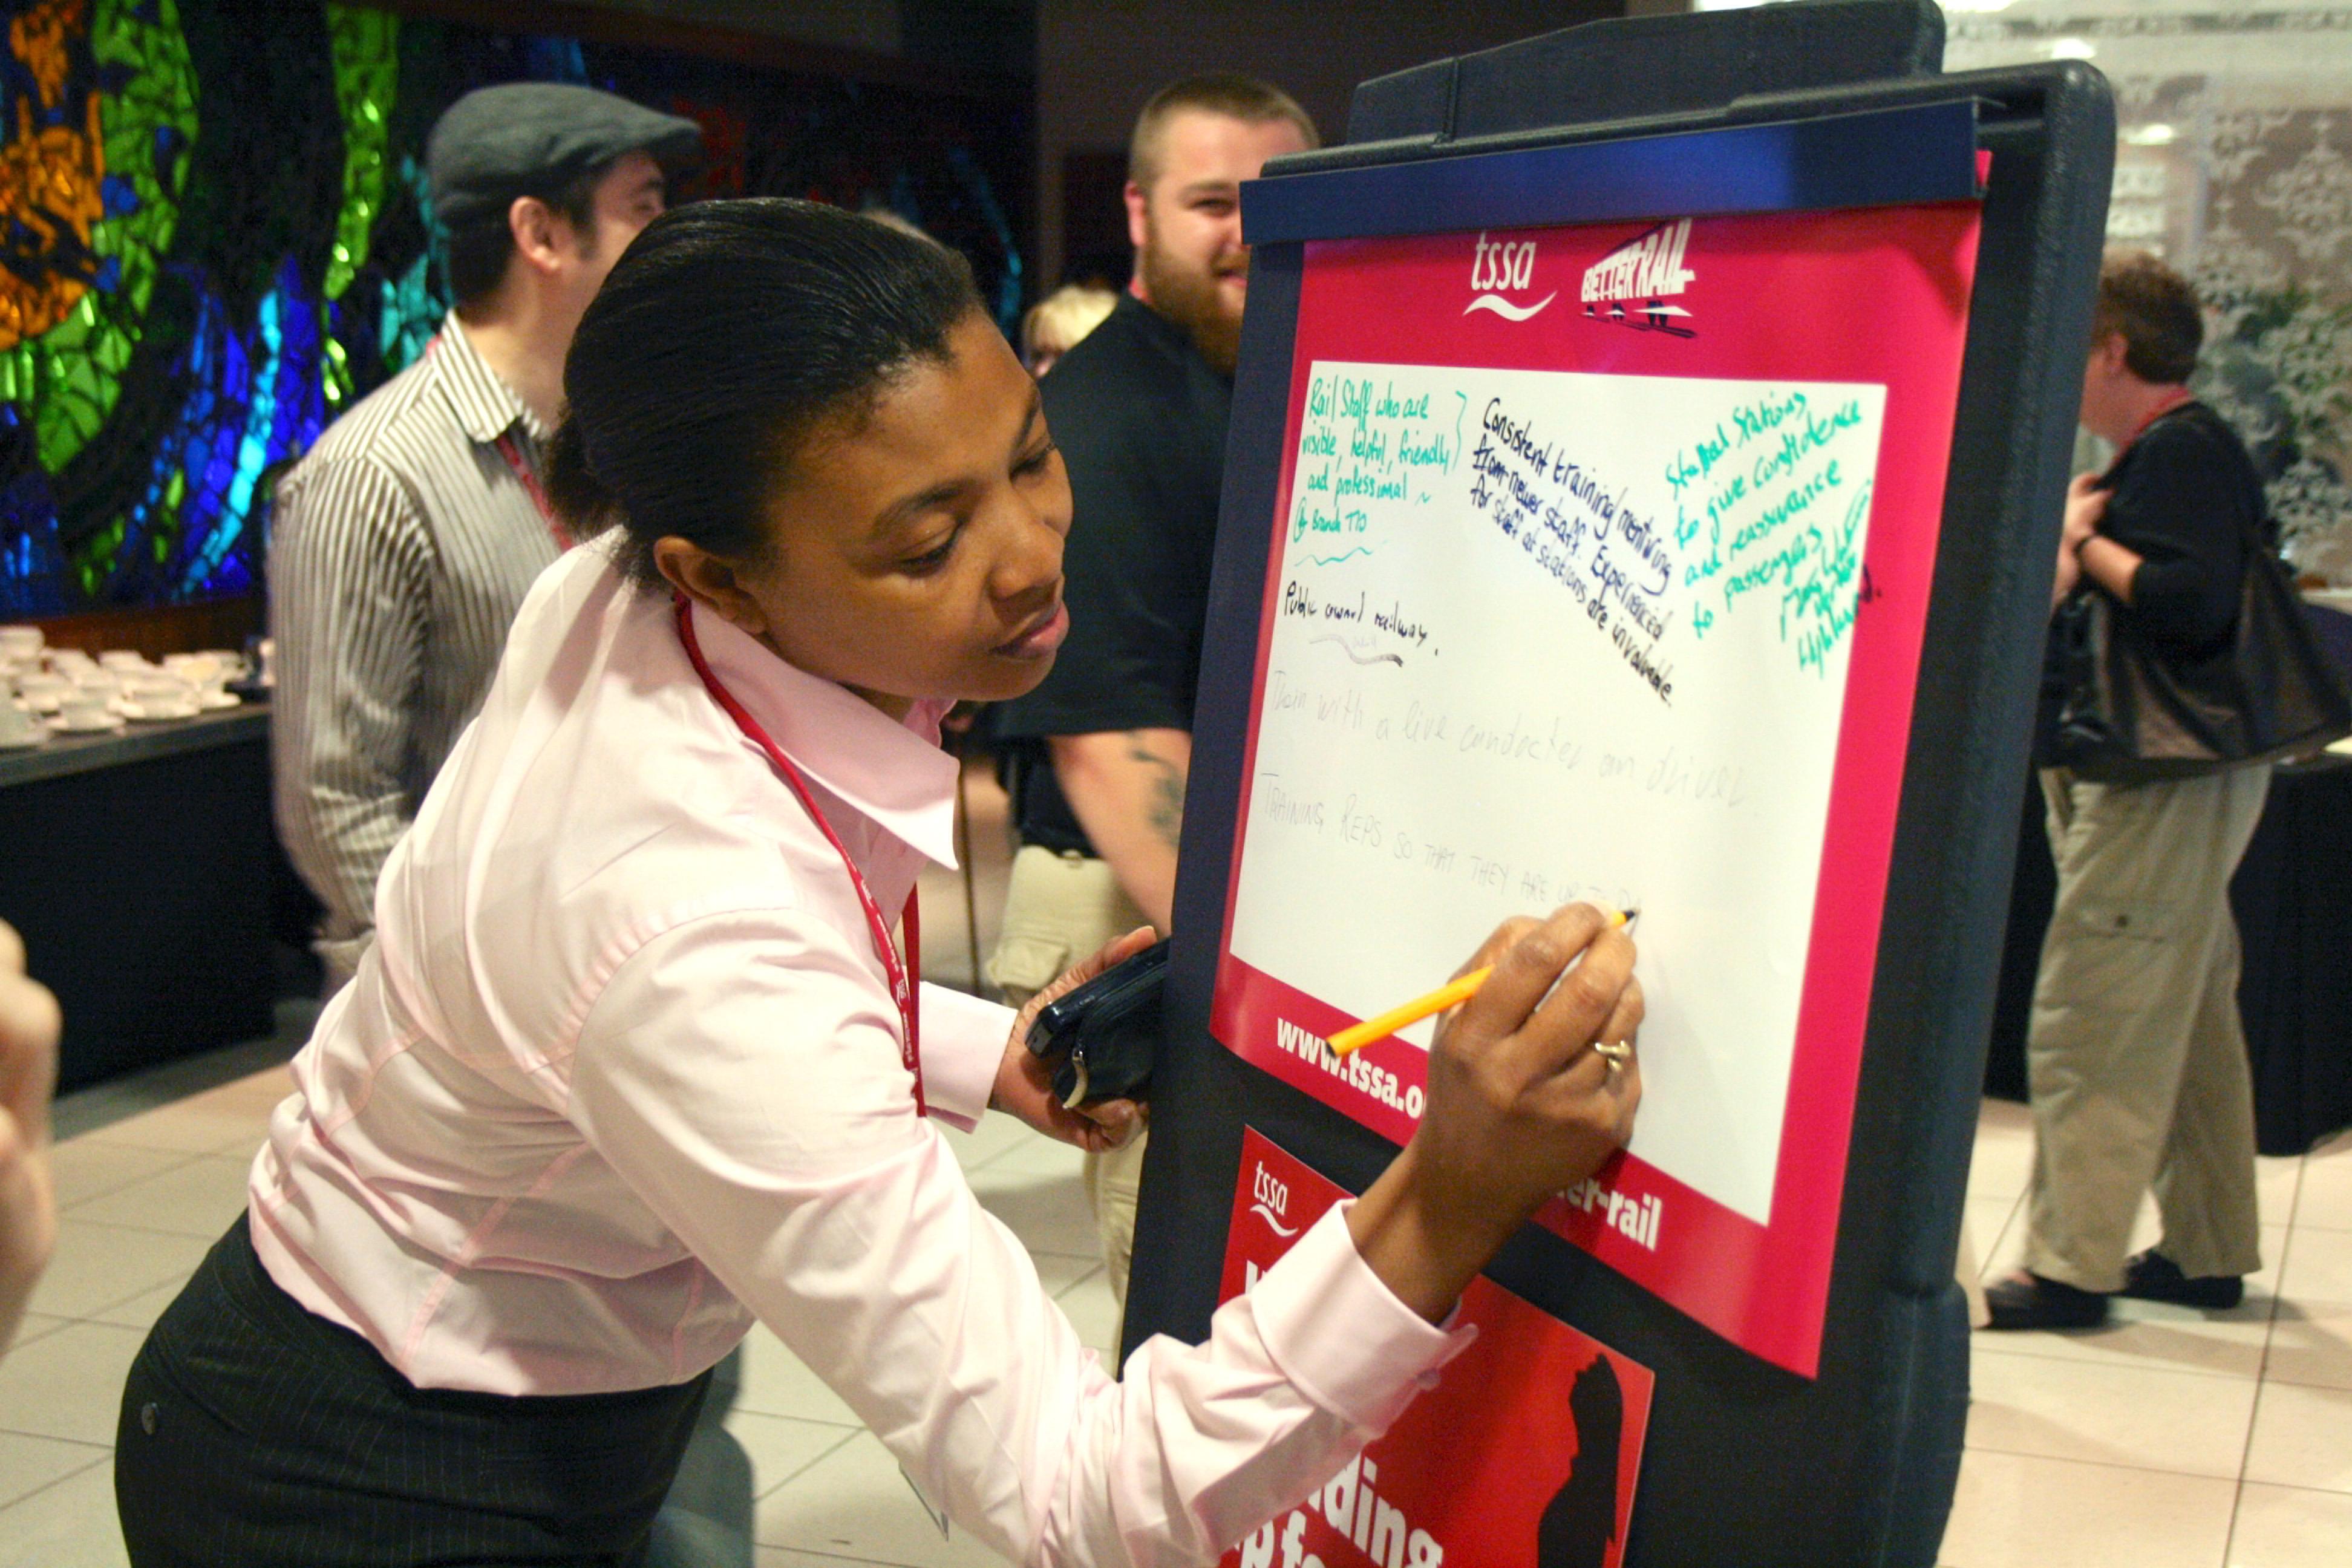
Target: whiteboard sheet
[[1546, 636], [1599, 567]]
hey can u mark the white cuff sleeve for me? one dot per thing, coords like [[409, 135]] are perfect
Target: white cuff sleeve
[[963, 1045], [1389, 1353]]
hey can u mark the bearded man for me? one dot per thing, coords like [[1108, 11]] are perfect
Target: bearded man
[[1097, 755]]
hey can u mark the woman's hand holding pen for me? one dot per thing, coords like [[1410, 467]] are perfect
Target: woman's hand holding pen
[[1024, 1083], [1520, 1105]]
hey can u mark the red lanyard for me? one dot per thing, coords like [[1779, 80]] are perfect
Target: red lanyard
[[904, 977], [522, 471], [2179, 396], [538, 493]]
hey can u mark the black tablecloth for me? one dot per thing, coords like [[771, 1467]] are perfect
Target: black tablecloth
[[141, 870], [2292, 896]]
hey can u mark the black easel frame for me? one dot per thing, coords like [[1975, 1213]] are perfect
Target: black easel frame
[[1745, 1464]]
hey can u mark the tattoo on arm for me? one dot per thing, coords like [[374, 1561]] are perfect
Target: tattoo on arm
[[1166, 810]]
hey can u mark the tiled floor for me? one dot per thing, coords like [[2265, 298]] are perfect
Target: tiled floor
[[144, 1197], [2170, 1439], [2172, 1436]]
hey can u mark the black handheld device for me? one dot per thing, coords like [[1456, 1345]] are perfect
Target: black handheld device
[[1105, 1033]]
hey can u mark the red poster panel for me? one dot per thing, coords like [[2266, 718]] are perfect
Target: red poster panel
[[1523, 1456], [1600, 571]]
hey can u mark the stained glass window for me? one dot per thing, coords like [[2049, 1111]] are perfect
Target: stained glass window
[[217, 237]]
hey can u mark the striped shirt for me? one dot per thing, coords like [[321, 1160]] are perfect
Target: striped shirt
[[401, 546]]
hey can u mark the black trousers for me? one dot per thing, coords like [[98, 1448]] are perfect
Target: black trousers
[[254, 1434]]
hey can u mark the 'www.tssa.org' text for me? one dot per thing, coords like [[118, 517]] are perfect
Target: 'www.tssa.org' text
[[1353, 1070]]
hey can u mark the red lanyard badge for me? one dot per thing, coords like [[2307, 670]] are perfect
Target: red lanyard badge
[[529, 479], [904, 977], [538, 493]]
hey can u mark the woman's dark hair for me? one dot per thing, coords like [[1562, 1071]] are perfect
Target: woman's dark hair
[[727, 332]]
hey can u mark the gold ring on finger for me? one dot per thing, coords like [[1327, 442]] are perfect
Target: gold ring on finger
[[1615, 1053]]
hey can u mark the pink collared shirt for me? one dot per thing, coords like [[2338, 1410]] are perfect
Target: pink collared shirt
[[622, 1073]]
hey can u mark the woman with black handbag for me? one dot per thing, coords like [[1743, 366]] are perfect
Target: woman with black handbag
[[2178, 670]]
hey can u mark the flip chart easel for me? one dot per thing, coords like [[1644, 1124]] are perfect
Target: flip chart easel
[[1703, 389]]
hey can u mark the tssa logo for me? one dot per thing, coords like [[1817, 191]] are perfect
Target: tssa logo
[[1272, 1201], [1504, 263], [1644, 273]]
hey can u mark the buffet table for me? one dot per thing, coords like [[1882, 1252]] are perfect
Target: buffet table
[[140, 867], [2293, 897]]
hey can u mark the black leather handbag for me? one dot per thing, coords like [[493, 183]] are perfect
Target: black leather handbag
[[2134, 713]]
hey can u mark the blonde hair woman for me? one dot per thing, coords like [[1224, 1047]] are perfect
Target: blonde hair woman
[[1056, 324]]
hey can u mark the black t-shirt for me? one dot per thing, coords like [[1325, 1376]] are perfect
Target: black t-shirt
[[1140, 418], [2186, 497]]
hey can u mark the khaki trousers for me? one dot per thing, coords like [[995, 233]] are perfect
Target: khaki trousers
[[1060, 909], [2136, 1059]]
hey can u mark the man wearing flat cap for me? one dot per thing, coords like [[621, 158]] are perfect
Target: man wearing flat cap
[[404, 540], [404, 543]]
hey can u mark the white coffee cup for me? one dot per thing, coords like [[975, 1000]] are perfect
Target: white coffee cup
[[123, 658], [44, 691], [209, 673], [21, 642], [18, 727], [86, 711], [158, 691]]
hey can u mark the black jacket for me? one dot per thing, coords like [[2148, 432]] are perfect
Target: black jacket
[[2186, 497]]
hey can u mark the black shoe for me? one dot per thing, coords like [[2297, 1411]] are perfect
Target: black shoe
[[2029, 1302], [2153, 1276]]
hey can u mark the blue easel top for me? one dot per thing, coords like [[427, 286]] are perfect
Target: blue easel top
[[1874, 158]]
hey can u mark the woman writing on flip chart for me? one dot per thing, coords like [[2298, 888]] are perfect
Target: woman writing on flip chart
[[635, 1061]]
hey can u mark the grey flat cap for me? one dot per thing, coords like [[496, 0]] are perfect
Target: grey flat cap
[[530, 138]]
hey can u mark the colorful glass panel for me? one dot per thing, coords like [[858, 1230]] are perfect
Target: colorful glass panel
[[216, 236]]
